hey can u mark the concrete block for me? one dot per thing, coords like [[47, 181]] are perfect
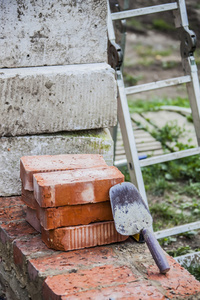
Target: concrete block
[[13, 148], [53, 99], [37, 33]]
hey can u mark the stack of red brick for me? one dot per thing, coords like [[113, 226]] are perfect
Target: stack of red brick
[[67, 198]]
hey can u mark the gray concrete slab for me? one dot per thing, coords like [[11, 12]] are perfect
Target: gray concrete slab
[[57, 98], [38, 33], [13, 148]]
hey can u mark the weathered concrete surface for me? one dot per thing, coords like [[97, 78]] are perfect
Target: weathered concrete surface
[[53, 99], [12, 148], [37, 33]]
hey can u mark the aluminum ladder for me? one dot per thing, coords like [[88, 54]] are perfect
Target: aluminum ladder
[[188, 45]]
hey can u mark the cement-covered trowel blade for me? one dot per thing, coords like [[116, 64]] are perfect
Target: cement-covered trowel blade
[[130, 213], [132, 216]]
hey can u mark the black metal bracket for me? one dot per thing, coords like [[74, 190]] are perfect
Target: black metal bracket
[[115, 55], [188, 42]]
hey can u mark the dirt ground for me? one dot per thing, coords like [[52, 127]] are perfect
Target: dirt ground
[[178, 241], [147, 67]]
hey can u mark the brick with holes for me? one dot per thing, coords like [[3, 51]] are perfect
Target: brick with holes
[[84, 236]]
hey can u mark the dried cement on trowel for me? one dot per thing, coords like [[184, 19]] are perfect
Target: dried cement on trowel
[[131, 219]]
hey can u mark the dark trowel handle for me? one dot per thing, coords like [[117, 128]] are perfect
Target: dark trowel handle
[[156, 251]]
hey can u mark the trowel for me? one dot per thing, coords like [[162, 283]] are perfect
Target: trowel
[[131, 216]]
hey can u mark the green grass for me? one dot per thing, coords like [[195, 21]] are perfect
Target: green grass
[[130, 80], [197, 56], [140, 106], [147, 51], [180, 251], [135, 23], [169, 64], [162, 25], [195, 271], [171, 132]]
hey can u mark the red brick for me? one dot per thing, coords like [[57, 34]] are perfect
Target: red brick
[[132, 291], [10, 201], [67, 284], [15, 230], [72, 215], [31, 245], [62, 262], [30, 165], [177, 283], [32, 219], [12, 213], [74, 187], [28, 198], [78, 237]]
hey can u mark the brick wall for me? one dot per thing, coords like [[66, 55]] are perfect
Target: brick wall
[[119, 271]]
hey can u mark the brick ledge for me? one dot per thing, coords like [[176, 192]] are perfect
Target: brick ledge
[[119, 271]]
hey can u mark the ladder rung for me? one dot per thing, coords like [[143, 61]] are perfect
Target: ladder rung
[[188, 259], [176, 230], [120, 163], [182, 110], [157, 85], [170, 156], [143, 11]]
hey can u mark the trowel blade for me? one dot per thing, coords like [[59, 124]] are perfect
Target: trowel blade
[[130, 213]]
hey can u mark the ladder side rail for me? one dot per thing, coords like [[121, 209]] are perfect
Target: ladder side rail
[[129, 139], [188, 41], [111, 37], [189, 259], [126, 125], [180, 15], [193, 90], [143, 11], [111, 32]]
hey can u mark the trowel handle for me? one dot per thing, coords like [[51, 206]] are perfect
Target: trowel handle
[[156, 251]]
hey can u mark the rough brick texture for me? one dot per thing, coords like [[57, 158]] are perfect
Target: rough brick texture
[[79, 237], [74, 187], [72, 215], [123, 281], [30, 165], [28, 198], [32, 218], [120, 271]]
